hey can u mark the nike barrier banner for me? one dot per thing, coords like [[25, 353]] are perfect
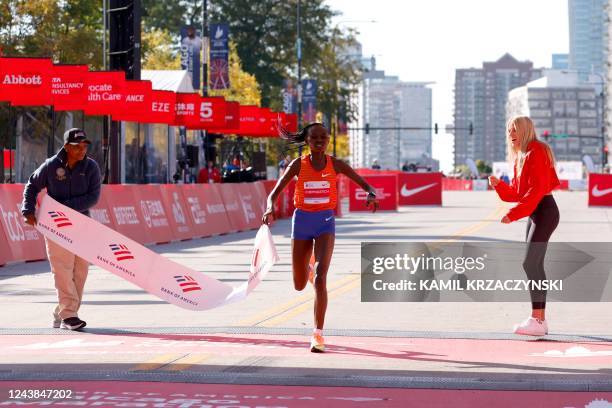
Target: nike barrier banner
[[139, 265]]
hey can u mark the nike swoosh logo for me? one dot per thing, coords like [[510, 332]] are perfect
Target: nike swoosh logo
[[327, 219], [407, 193], [326, 174], [599, 193]]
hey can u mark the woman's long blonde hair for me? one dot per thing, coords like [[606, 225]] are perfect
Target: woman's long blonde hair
[[526, 134]]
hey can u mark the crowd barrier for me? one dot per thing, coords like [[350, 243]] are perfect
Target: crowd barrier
[[600, 189], [411, 188], [150, 213]]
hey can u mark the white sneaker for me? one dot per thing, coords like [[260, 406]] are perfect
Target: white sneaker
[[532, 327], [57, 321]]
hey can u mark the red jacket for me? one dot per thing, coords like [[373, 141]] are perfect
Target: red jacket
[[204, 176], [537, 179]]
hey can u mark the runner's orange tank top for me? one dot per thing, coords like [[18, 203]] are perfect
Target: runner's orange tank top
[[316, 190]]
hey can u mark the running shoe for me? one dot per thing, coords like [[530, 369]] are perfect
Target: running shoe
[[57, 321], [317, 344], [532, 327], [73, 323]]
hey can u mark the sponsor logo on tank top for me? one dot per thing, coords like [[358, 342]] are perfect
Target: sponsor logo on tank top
[[405, 192], [316, 192], [600, 193]]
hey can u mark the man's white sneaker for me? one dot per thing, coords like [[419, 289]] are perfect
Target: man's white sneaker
[[532, 327]]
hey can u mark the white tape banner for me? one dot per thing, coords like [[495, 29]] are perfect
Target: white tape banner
[[137, 264]]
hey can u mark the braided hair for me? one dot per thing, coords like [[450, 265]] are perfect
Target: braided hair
[[297, 139]]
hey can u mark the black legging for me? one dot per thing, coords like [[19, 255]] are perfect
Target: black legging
[[540, 226]]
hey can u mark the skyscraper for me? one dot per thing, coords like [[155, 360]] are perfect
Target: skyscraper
[[480, 98], [588, 36], [387, 102]]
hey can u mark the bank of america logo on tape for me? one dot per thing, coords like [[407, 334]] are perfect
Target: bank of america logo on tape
[[121, 252], [60, 219], [187, 283]]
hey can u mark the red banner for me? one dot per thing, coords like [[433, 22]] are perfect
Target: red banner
[[250, 204], [187, 109], [174, 203], [101, 212], [600, 189], [420, 188], [25, 243], [104, 92], [386, 193], [69, 87], [232, 115], [163, 108], [156, 223], [205, 207], [127, 219], [26, 81], [211, 113], [136, 101], [233, 206]]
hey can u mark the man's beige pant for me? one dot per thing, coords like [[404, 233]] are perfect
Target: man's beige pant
[[70, 273]]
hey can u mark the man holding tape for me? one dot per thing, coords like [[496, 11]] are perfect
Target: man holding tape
[[73, 179]]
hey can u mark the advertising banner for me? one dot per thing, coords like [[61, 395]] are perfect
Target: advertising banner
[[26, 81], [104, 92], [386, 193], [219, 56], [309, 100], [191, 48], [69, 87], [600, 189], [136, 101], [420, 188], [24, 242]]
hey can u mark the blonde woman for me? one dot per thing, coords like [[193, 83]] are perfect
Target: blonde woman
[[534, 179]]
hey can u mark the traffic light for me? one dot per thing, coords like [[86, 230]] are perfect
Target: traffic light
[[471, 128], [367, 128], [546, 135], [436, 128]]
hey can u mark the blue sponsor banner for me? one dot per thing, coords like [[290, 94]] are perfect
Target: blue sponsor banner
[[289, 95], [309, 100], [191, 47], [219, 56]]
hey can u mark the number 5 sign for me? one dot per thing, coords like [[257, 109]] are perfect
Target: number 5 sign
[[212, 113]]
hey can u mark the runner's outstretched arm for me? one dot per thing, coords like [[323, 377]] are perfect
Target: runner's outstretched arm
[[343, 168], [292, 170]]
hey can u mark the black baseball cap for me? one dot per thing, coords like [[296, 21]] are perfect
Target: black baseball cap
[[75, 136]]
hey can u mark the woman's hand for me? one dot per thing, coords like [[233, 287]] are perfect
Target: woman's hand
[[372, 203], [493, 181], [506, 220], [268, 216]]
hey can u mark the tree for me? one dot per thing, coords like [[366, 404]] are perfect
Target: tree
[[483, 167], [67, 31], [158, 51]]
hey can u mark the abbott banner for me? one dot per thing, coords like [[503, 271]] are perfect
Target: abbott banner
[[137, 264]]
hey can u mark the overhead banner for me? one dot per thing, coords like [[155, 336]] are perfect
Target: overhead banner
[[309, 100], [136, 101], [289, 94], [163, 108], [159, 276], [26, 81], [211, 113], [187, 109], [104, 92], [191, 47], [69, 87], [219, 56]]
